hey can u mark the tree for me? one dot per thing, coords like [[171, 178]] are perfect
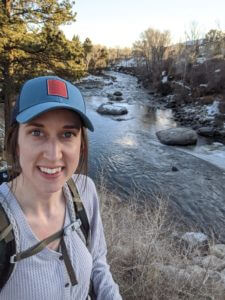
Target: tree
[[32, 44], [193, 40], [87, 45], [118, 54], [152, 47], [112, 55], [215, 39], [99, 58]]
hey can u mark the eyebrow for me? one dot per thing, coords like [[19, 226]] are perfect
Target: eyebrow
[[69, 126]]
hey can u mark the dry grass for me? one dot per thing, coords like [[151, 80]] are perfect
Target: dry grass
[[140, 246]]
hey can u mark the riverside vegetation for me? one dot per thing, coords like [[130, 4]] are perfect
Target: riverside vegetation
[[149, 260]]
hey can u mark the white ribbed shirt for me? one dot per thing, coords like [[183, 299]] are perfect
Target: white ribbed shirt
[[44, 275]]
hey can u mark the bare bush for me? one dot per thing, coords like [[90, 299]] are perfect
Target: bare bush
[[144, 259], [181, 93], [208, 78]]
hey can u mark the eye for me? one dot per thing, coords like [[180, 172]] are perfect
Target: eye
[[68, 134], [36, 132]]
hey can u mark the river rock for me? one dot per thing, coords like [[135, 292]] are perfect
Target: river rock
[[110, 109], [194, 238], [118, 98], [195, 241], [115, 97], [206, 131], [117, 93], [179, 136], [174, 169], [92, 84], [218, 250], [220, 132], [213, 263], [171, 104], [210, 262]]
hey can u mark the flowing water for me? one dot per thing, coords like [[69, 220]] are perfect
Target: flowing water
[[125, 151]]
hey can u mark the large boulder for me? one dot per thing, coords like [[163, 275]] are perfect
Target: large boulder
[[110, 109], [179, 136]]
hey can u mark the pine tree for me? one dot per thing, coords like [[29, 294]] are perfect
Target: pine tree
[[32, 44]]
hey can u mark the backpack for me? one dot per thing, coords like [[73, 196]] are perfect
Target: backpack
[[8, 244]]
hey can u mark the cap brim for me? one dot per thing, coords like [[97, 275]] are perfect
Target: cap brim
[[34, 111]]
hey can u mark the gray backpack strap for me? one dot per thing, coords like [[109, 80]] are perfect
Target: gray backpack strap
[[36, 248], [80, 211], [6, 228], [85, 227], [7, 247]]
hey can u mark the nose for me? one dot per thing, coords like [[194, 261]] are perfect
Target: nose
[[53, 150]]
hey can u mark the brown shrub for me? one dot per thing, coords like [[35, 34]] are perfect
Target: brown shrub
[[211, 74], [181, 93], [141, 251]]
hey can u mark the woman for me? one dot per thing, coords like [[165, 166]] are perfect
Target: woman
[[46, 145]]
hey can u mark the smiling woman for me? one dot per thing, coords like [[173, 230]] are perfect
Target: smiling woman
[[49, 203], [49, 151]]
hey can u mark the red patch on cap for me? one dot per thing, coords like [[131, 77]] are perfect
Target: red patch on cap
[[57, 88]]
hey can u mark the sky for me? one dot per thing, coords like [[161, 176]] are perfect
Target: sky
[[119, 23]]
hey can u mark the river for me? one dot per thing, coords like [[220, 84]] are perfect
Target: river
[[125, 151]]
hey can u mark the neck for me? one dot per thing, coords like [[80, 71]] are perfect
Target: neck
[[34, 203]]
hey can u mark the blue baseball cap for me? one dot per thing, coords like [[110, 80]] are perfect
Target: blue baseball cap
[[42, 94]]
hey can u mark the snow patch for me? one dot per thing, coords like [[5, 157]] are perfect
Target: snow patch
[[200, 60], [91, 77], [165, 79], [127, 63], [213, 109], [182, 84]]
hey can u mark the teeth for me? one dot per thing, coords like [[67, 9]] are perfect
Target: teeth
[[50, 171]]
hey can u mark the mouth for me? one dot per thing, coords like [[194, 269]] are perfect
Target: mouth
[[50, 171]]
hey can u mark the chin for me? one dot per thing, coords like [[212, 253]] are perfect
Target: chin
[[49, 189]]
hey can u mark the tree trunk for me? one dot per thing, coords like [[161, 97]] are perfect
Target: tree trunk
[[7, 109], [7, 6], [7, 90], [7, 93]]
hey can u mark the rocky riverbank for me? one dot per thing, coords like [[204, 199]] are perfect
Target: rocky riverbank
[[207, 119], [205, 114]]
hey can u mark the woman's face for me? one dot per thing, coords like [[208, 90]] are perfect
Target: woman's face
[[49, 150]]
